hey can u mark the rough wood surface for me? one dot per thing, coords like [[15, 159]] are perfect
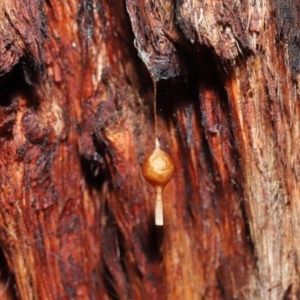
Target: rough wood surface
[[76, 121]]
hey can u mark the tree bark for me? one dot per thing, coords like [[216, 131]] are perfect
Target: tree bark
[[77, 120]]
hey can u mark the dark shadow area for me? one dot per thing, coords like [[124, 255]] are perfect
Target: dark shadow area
[[151, 241], [109, 284], [93, 172], [8, 286], [155, 240], [10, 86], [13, 84], [113, 256], [93, 164]]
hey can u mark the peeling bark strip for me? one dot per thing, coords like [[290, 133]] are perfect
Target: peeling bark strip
[[76, 215]]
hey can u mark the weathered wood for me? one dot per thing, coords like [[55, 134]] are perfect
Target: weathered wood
[[76, 111]]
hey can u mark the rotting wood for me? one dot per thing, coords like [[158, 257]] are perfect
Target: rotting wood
[[76, 121]]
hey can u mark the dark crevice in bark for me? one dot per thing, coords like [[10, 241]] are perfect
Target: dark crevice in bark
[[12, 84], [113, 256], [7, 280], [288, 293], [93, 172], [249, 240], [154, 242], [109, 284]]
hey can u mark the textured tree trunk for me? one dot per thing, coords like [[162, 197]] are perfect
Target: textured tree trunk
[[76, 121]]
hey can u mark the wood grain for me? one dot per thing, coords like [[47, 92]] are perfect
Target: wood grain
[[76, 122]]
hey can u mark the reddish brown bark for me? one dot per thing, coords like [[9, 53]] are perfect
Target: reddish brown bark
[[76, 110]]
